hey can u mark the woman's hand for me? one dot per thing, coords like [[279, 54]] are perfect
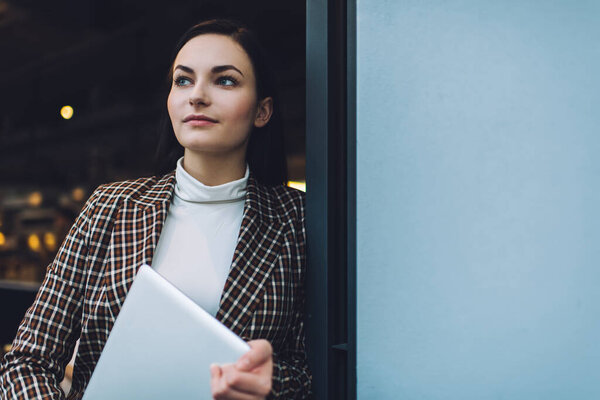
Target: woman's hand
[[250, 378]]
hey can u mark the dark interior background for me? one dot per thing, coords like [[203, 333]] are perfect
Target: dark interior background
[[107, 59]]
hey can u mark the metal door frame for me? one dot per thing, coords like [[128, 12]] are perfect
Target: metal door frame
[[331, 196]]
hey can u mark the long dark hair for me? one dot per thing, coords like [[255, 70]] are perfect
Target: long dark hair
[[266, 151]]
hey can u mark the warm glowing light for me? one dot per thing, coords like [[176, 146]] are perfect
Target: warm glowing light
[[78, 194], [66, 112], [33, 241], [300, 185], [50, 241], [35, 199], [2, 239]]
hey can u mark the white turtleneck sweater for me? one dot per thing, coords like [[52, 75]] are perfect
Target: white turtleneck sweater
[[198, 239]]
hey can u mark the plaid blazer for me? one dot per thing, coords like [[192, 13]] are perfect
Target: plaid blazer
[[115, 233]]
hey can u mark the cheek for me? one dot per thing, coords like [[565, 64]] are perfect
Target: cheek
[[244, 109], [170, 108]]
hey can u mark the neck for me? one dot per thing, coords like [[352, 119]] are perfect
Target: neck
[[214, 169]]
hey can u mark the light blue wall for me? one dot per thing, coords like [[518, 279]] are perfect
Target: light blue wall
[[478, 219]]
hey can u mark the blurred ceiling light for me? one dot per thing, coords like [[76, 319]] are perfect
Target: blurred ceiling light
[[33, 241], [50, 241], [78, 194], [66, 112], [300, 185], [35, 199], [2, 239]]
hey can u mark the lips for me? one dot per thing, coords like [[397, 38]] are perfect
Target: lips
[[199, 117]]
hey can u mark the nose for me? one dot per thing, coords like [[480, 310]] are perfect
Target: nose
[[199, 96]]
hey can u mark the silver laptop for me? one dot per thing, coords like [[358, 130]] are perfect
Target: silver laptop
[[161, 346]]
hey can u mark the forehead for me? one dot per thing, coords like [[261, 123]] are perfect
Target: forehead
[[209, 50]]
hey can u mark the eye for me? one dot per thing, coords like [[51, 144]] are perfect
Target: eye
[[181, 81], [226, 81]]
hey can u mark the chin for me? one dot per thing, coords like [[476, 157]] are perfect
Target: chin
[[210, 144], [213, 148]]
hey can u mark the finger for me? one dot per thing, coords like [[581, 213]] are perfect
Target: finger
[[234, 395], [259, 353], [215, 370], [248, 382], [221, 390], [215, 377]]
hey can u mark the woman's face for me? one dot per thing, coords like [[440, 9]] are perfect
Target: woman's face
[[213, 103]]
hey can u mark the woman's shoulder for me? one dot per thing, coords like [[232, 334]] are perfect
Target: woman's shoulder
[[289, 195], [284, 201], [134, 188]]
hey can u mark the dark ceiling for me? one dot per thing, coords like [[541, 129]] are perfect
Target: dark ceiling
[[108, 59]]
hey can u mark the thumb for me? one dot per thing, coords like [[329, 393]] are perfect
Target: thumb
[[259, 353], [215, 376]]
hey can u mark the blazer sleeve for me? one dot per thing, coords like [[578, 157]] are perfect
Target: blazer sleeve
[[291, 375], [35, 365]]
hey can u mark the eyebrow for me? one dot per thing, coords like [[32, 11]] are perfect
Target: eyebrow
[[215, 70]]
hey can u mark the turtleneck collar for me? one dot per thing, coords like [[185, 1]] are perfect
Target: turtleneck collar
[[190, 189]]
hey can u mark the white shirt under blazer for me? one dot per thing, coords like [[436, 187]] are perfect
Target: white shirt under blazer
[[196, 245]]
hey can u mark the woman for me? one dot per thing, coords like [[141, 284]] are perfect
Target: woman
[[230, 180]]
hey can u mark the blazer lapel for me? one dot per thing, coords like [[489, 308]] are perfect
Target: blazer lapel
[[255, 254], [134, 237]]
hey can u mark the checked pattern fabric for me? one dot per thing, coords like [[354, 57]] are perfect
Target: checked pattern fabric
[[115, 233]]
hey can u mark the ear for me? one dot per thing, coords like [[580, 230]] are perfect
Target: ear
[[265, 110]]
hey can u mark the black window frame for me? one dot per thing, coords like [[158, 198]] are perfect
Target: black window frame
[[331, 196]]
